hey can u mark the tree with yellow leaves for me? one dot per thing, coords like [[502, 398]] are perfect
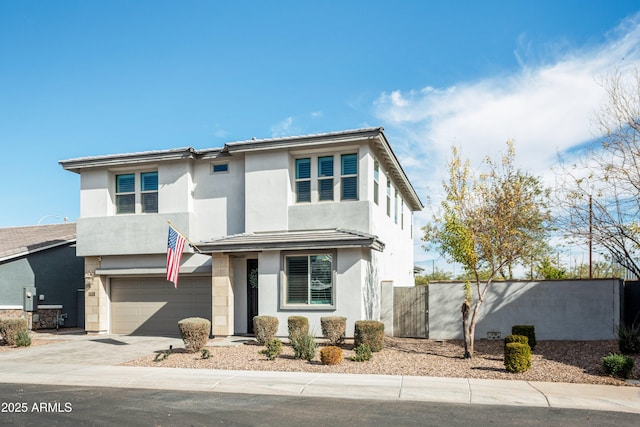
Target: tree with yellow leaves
[[490, 222]]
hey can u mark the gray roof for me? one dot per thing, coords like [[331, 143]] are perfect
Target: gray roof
[[316, 239], [20, 241], [374, 134]]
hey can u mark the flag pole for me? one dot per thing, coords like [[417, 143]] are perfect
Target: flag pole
[[185, 237]]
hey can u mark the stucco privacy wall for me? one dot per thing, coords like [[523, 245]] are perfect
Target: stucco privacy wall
[[559, 310]]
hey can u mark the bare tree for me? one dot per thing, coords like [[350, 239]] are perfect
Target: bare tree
[[488, 223], [600, 193]]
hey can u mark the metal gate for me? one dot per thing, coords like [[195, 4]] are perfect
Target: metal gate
[[411, 312]]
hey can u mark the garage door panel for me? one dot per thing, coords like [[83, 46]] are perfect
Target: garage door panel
[[151, 306]]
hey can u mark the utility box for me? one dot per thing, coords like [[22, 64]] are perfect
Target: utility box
[[30, 300]]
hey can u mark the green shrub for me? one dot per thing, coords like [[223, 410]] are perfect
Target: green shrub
[[297, 325], [369, 332], [195, 333], [23, 339], [11, 327], [363, 353], [334, 328], [629, 338], [331, 355], [265, 328], [304, 347], [517, 357], [273, 350], [206, 354], [515, 338], [163, 355], [528, 331], [617, 365]]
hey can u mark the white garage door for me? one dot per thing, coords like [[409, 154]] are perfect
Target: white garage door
[[152, 306]]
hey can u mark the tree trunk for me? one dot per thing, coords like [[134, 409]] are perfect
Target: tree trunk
[[468, 339]]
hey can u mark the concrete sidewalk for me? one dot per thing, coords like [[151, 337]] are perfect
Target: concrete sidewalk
[[84, 360]]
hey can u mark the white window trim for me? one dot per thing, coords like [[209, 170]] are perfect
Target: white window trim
[[284, 282]]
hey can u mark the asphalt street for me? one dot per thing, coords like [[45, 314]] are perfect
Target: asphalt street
[[39, 405]]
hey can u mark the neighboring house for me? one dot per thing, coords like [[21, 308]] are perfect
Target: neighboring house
[[309, 225], [42, 260]]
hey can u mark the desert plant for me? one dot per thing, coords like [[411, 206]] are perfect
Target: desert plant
[[23, 339], [629, 338], [334, 328], [517, 357], [528, 331], [369, 332], [195, 333], [265, 328], [331, 355], [163, 355], [206, 354], [363, 353], [273, 349], [304, 347], [617, 365], [515, 338], [297, 326], [11, 327]]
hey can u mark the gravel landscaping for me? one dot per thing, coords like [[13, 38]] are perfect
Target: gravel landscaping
[[553, 361]]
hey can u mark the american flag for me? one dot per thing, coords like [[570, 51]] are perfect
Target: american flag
[[175, 246]]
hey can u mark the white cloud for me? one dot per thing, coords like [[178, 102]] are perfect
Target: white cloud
[[546, 107], [283, 128]]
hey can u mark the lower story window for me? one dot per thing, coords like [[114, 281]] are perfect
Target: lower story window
[[309, 279]]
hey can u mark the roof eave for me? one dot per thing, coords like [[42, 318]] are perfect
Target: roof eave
[[374, 244], [75, 165], [303, 141], [414, 202]]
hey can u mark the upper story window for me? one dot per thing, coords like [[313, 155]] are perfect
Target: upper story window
[[349, 176], [325, 178], [126, 193], [129, 195], [303, 180], [149, 192], [376, 182], [388, 197], [395, 207], [220, 167]]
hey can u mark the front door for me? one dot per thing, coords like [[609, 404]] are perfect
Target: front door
[[252, 293]]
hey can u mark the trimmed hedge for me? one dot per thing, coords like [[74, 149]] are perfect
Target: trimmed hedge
[[297, 326], [265, 328], [331, 355], [515, 338], [369, 332], [11, 327], [528, 331], [334, 328], [195, 333], [517, 357]]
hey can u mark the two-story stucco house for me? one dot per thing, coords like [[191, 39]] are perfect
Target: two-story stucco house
[[308, 225]]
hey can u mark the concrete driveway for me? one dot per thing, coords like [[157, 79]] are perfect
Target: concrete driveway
[[81, 349]]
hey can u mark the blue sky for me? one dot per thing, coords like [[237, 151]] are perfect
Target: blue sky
[[80, 78]]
